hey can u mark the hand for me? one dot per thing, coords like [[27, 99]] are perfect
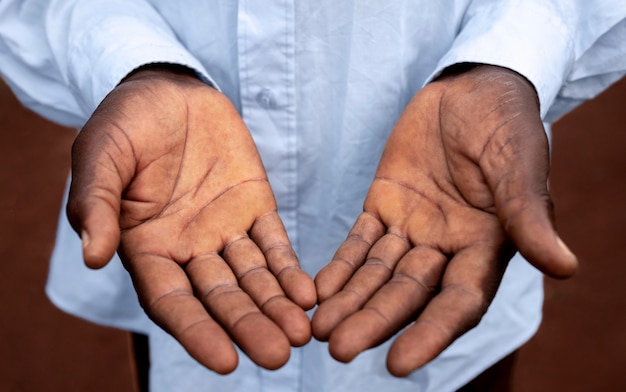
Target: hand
[[462, 184], [166, 170]]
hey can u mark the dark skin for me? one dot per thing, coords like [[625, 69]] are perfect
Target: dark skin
[[461, 185], [166, 173]]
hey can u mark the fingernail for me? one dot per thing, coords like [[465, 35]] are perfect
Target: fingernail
[[84, 236], [564, 247]]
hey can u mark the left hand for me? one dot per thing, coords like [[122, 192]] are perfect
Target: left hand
[[461, 185]]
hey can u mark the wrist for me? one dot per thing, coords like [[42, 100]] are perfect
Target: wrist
[[480, 73], [167, 70]]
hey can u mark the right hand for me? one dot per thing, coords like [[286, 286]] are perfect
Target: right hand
[[166, 172]]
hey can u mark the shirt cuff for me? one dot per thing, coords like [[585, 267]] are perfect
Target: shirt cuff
[[101, 57], [499, 34]]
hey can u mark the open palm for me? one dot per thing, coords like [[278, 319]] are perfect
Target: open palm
[[166, 173], [461, 185]]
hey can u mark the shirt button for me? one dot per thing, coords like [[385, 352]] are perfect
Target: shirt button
[[266, 99]]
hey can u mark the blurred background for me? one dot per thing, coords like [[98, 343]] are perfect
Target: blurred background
[[581, 345]]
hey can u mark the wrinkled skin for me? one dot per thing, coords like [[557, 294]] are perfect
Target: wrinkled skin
[[462, 184], [166, 173], [166, 169]]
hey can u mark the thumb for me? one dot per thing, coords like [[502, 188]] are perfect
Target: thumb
[[93, 206], [95, 219], [524, 206], [527, 221]]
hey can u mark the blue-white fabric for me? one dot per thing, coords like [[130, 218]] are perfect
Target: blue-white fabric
[[320, 85]]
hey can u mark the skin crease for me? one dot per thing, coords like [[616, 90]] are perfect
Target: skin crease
[[166, 173], [461, 185]]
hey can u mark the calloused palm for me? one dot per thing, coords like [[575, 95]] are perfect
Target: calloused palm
[[462, 184], [166, 173]]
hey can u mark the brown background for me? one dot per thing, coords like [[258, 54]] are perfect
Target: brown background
[[581, 345]]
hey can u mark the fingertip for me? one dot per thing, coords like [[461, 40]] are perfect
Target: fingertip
[[320, 290], [96, 253], [325, 284], [275, 356], [86, 238], [536, 239], [399, 369], [305, 293], [300, 333], [226, 368], [98, 226], [347, 259], [263, 341], [552, 258], [401, 362], [569, 264], [562, 271], [341, 348], [359, 332], [211, 346], [319, 326], [291, 319], [93, 260], [226, 364], [419, 344], [329, 315], [299, 338]]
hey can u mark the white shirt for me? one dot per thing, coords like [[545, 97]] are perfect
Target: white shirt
[[320, 84]]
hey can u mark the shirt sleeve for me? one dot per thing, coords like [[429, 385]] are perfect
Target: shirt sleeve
[[570, 50], [61, 58]]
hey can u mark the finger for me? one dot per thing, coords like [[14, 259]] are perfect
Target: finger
[[248, 264], [375, 272], [95, 218], [470, 282], [258, 336], [539, 243], [528, 221], [349, 257], [100, 168], [523, 202], [415, 279], [167, 297], [269, 234]]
